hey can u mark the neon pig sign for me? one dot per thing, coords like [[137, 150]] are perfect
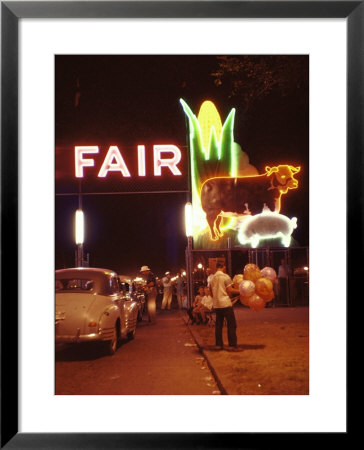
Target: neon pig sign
[[114, 161]]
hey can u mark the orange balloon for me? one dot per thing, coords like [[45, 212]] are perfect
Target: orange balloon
[[264, 288], [256, 303], [238, 278], [252, 272], [244, 300]]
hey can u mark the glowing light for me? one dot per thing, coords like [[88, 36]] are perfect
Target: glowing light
[[267, 225], [109, 166], [214, 155], [210, 123], [81, 162], [206, 159], [199, 266], [79, 227], [171, 163], [188, 219], [114, 162], [141, 160], [231, 197]]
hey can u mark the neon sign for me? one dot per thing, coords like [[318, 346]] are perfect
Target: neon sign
[[227, 190], [266, 225], [245, 195], [114, 161]]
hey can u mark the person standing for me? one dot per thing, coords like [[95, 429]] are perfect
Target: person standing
[[209, 275], [181, 290], [222, 287], [151, 291], [283, 282], [167, 291]]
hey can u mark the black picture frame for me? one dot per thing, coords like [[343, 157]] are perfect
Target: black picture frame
[[11, 12]]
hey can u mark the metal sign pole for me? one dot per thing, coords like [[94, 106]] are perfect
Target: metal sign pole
[[189, 272]]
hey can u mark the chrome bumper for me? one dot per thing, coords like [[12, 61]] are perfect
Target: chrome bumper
[[102, 335], [65, 339]]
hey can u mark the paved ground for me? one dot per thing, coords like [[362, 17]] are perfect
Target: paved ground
[[162, 359], [172, 358], [272, 356]]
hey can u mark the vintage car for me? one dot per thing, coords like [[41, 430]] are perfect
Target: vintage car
[[133, 290], [91, 307]]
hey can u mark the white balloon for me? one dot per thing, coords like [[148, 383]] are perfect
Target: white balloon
[[270, 273], [246, 288]]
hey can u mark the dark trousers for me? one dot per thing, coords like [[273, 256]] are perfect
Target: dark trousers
[[228, 314], [283, 287]]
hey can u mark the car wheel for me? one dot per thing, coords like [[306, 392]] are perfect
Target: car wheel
[[131, 334], [140, 315], [112, 344]]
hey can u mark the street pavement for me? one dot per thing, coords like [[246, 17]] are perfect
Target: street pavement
[[172, 357], [271, 356], [162, 359]]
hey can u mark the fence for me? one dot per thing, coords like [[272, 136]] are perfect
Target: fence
[[291, 291]]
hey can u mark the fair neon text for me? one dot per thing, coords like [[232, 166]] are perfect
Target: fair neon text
[[167, 156]]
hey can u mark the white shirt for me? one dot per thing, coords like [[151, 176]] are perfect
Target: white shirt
[[207, 301], [282, 272], [167, 283], [219, 282]]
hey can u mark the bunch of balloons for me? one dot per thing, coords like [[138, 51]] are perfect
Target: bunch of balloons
[[256, 286]]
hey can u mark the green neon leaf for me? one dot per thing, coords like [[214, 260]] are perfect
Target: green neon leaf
[[218, 160], [213, 145], [227, 141]]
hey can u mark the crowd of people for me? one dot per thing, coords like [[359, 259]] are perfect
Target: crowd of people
[[166, 288], [215, 295]]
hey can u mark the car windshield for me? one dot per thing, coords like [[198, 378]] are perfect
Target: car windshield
[[74, 284]]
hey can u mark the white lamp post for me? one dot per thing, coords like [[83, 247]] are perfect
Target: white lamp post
[[79, 236]]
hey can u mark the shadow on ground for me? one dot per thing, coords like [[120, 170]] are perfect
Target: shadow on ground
[[81, 352], [239, 348]]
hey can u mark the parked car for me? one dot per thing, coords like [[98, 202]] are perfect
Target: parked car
[[91, 307], [133, 290]]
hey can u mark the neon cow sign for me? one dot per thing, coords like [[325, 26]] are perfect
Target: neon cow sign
[[114, 161], [245, 195]]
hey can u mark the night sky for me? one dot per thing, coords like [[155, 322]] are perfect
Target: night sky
[[131, 100]]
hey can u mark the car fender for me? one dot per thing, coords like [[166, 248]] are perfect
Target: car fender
[[130, 309], [131, 316], [109, 318]]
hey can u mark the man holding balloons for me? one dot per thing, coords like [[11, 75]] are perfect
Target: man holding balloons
[[222, 287]]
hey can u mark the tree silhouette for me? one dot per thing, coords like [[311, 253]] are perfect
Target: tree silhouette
[[249, 79]]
